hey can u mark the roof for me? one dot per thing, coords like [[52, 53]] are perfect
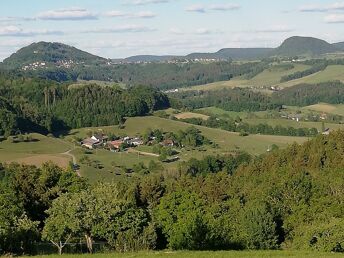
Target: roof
[[89, 141]]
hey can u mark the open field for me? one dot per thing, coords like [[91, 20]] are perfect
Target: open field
[[331, 73], [326, 108], [220, 112], [187, 115], [291, 123], [218, 254], [227, 141], [106, 165], [35, 153], [269, 77], [272, 77]]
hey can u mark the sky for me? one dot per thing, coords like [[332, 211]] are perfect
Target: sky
[[122, 28]]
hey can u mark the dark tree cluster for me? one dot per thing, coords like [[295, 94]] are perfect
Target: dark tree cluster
[[236, 125], [306, 94], [236, 99]]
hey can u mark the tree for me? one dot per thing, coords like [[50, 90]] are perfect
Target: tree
[[63, 221]]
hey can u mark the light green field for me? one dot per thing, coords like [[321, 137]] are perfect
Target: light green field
[[273, 76], [227, 141], [220, 112], [295, 124], [218, 254], [327, 108], [38, 150], [269, 77], [331, 73]]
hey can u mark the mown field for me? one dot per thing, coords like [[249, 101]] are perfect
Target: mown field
[[331, 73], [327, 108], [218, 254], [272, 77], [268, 77], [111, 164], [41, 150]]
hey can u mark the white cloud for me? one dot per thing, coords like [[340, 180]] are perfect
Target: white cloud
[[68, 14], [274, 29], [146, 2], [334, 18], [142, 14], [15, 31], [323, 8], [120, 29], [214, 7]]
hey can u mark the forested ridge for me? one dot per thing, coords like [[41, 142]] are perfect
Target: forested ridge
[[289, 199], [45, 106]]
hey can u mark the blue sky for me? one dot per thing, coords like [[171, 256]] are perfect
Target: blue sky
[[120, 28]]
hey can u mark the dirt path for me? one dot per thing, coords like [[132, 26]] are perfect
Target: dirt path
[[68, 153], [143, 153]]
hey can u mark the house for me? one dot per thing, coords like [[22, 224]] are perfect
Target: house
[[168, 143], [101, 138], [135, 142], [90, 143], [115, 144]]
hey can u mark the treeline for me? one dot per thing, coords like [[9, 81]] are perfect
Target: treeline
[[158, 75], [236, 125], [290, 199], [317, 65], [236, 99], [306, 94], [297, 75], [45, 106]]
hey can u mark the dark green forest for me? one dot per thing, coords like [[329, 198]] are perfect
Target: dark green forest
[[35, 105], [290, 199]]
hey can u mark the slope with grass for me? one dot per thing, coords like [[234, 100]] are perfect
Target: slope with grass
[[331, 73], [327, 108], [40, 150], [269, 77], [227, 141]]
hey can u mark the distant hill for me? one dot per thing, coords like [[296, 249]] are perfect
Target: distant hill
[[150, 58], [339, 46], [296, 46], [231, 53], [49, 53]]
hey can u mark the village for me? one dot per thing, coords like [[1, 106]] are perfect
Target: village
[[117, 144]]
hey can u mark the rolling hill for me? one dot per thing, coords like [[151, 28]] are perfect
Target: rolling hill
[[295, 46], [49, 53]]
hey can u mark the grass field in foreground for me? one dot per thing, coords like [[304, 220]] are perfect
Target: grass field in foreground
[[219, 254], [35, 153]]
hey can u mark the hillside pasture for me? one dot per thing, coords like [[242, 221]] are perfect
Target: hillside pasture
[[331, 73], [326, 108], [269, 77], [187, 115], [40, 150], [227, 141]]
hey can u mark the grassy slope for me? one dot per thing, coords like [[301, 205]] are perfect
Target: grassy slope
[[219, 254], [327, 108], [255, 144], [16, 151], [261, 116], [331, 73], [268, 77], [272, 78]]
